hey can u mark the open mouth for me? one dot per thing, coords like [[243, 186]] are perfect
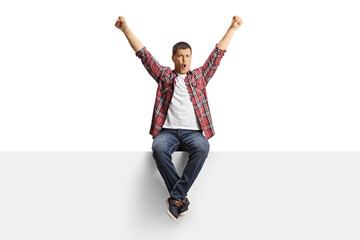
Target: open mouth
[[184, 66]]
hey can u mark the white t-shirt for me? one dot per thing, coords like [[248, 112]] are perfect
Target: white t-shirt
[[181, 113]]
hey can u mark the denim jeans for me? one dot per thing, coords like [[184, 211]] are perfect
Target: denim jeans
[[167, 142]]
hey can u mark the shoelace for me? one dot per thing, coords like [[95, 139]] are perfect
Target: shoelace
[[177, 203]]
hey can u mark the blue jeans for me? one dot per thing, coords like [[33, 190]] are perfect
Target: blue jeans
[[167, 142]]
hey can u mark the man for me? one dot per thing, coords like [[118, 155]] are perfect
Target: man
[[181, 114]]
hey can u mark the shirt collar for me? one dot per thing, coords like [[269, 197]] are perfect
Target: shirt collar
[[188, 73]]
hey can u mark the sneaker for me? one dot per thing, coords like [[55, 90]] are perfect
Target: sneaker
[[172, 208], [184, 208]]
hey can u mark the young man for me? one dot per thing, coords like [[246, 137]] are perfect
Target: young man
[[181, 114]]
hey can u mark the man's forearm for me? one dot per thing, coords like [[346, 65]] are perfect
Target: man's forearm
[[235, 24], [224, 43], [133, 40]]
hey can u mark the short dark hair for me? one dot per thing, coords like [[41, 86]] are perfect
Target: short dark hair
[[180, 45]]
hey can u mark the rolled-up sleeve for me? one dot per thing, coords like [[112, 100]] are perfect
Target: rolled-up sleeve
[[213, 61], [151, 65]]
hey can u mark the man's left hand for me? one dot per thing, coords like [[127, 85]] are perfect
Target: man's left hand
[[236, 22]]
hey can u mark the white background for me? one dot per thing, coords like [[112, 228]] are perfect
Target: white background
[[289, 81]]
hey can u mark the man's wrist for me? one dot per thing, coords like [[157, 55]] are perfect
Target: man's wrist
[[232, 28], [126, 30]]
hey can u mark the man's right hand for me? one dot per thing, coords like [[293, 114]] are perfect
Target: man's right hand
[[134, 42], [121, 23]]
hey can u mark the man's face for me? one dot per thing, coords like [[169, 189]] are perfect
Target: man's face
[[182, 60]]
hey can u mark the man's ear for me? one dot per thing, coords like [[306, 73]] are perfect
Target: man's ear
[[172, 57]]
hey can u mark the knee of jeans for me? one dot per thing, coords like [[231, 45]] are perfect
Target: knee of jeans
[[203, 147], [158, 147]]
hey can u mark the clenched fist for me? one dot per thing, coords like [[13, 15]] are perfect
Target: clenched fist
[[236, 22], [121, 23]]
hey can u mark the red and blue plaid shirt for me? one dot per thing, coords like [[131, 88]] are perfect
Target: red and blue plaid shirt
[[196, 82]]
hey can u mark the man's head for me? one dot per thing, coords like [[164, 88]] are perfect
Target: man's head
[[181, 56]]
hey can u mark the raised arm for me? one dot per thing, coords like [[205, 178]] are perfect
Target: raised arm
[[151, 65], [134, 42], [210, 66], [235, 24]]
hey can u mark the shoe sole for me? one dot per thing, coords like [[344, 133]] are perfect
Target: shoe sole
[[184, 213], [168, 212]]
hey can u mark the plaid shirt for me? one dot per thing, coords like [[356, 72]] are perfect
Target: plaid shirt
[[196, 81]]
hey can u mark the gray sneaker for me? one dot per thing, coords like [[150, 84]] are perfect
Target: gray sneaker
[[172, 208], [184, 208]]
